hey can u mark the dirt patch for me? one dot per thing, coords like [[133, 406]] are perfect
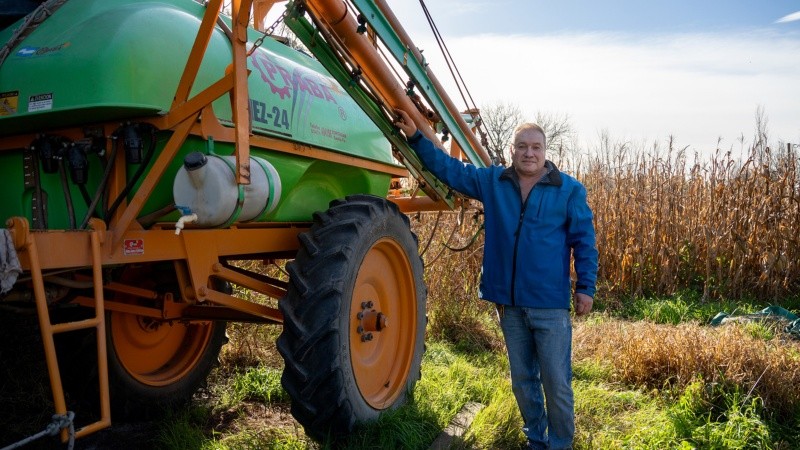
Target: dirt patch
[[255, 416]]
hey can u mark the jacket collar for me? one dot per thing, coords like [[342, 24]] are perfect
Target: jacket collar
[[552, 177]]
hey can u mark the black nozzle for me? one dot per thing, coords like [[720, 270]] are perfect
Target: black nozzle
[[48, 153], [132, 143], [78, 163]]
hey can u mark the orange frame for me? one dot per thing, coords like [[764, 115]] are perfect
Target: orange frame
[[198, 254]]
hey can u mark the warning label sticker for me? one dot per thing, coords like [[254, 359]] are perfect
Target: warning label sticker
[[40, 102], [133, 247], [8, 103]]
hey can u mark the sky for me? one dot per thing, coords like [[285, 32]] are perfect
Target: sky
[[639, 71]]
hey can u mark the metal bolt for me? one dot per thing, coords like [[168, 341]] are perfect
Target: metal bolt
[[369, 304], [360, 329], [360, 315], [368, 336]]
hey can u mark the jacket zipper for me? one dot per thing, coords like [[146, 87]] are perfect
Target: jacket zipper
[[516, 243]]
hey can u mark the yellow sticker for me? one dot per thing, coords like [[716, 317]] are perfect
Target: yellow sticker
[[8, 103]]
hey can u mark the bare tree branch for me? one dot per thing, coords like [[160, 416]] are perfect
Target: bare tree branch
[[500, 120]]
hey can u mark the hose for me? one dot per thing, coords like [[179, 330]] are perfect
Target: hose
[[102, 186], [62, 173], [124, 194]]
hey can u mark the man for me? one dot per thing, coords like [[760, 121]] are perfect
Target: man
[[536, 220]]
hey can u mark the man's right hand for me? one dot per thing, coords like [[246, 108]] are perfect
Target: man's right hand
[[404, 123]]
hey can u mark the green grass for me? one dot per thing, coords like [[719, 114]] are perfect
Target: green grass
[[609, 413], [258, 384], [184, 429], [265, 439], [687, 306], [733, 420]]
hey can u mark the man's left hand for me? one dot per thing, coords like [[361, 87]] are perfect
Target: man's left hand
[[583, 304]]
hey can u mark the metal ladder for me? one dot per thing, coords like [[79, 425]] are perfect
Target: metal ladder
[[26, 241]]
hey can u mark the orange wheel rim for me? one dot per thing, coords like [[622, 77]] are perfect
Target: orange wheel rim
[[158, 353], [381, 359]]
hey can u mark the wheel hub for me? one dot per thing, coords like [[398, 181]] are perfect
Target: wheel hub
[[370, 321]]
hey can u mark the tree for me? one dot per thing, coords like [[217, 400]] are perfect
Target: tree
[[500, 119], [560, 136]]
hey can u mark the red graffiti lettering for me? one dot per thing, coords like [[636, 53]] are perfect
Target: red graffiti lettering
[[281, 81]]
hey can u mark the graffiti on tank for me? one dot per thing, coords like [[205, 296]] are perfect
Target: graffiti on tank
[[283, 82]]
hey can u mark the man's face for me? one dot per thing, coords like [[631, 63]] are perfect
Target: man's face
[[528, 152]]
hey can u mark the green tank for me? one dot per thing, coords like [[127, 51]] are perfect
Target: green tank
[[95, 61]]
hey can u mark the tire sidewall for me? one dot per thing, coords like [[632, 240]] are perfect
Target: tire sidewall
[[394, 227]]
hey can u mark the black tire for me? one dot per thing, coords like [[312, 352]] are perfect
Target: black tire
[[155, 365], [329, 371]]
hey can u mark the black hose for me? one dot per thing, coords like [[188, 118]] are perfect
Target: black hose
[[124, 194], [102, 186], [62, 172], [85, 194]]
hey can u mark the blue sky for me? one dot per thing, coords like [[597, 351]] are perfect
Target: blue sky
[[642, 71], [542, 17]]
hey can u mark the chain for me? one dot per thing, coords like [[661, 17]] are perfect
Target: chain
[[268, 32]]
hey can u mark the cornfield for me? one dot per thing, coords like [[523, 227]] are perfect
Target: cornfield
[[727, 226]]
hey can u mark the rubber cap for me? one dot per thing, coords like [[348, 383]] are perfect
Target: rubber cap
[[194, 161]]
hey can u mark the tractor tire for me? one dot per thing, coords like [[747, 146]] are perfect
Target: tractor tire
[[354, 317], [153, 364]]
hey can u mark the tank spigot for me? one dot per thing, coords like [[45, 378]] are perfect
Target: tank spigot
[[183, 221]]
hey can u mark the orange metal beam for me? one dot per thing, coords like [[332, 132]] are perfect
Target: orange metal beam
[[127, 308], [398, 28], [246, 281], [262, 311], [414, 204], [241, 101], [163, 245], [334, 16], [153, 176], [181, 112], [207, 27]]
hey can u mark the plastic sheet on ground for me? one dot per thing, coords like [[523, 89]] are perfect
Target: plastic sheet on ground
[[769, 313]]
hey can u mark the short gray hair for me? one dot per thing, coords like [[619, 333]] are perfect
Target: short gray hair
[[530, 126]]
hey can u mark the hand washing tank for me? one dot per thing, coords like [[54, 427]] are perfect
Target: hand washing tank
[[206, 186]]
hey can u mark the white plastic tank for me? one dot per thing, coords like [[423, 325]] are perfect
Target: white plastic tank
[[206, 186]]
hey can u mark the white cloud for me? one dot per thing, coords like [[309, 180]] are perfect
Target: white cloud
[[789, 18], [696, 87]]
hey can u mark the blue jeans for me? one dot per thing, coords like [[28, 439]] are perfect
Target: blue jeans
[[539, 343]]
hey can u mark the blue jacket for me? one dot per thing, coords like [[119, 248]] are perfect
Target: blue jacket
[[526, 257]]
